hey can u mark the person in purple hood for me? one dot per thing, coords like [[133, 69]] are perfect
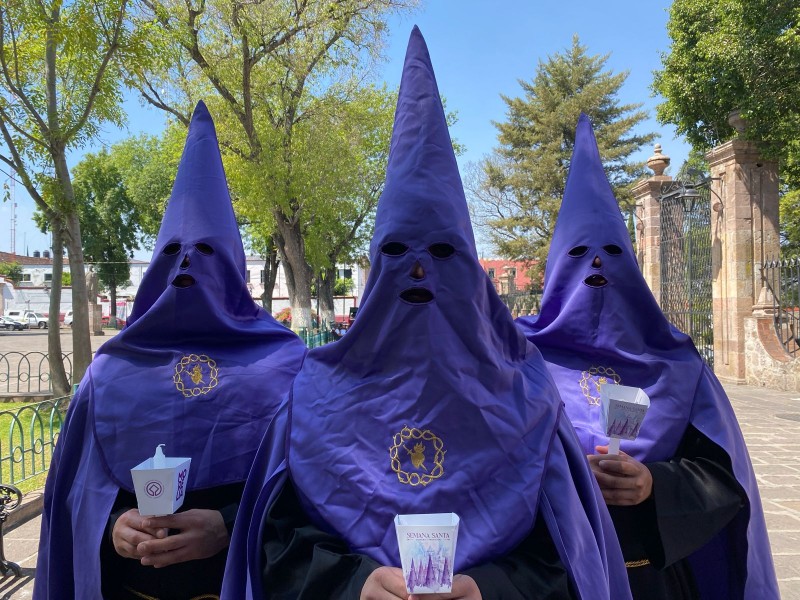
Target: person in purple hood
[[682, 495], [199, 368], [433, 402]]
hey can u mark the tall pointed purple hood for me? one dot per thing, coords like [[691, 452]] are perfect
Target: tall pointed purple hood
[[199, 240], [193, 319], [433, 401], [200, 368], [422, 180], [599, 323], [430, 392]]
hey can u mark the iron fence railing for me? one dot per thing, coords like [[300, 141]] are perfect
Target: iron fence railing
[[782, 280], [685, 257], [28, 437], [29, 372], [523, 303]]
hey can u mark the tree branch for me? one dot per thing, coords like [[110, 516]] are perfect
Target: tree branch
[[110, 51]]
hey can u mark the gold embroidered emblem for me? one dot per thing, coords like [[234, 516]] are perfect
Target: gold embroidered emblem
[[597, 376], [417, 456], [423, 440], [195, 375]]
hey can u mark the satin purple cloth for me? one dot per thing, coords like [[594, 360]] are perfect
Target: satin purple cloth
[[591, 332], [433, 401], [200, 368]]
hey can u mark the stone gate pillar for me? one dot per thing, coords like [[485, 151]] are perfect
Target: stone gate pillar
[[648, 220], [744, 233]]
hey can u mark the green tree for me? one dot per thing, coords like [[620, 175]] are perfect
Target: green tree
[[265, 69], [108, 221], [58, 85], [515, 193], [11, 271], [345, 174], [729, 55], [343, 287], [147, 166]]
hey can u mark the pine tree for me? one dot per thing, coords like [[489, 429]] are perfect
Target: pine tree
[[446, 581], [429, 580], [411, 581], [516, 192]]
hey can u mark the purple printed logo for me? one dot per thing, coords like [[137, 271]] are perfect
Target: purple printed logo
[[181, 482], [154, 489]]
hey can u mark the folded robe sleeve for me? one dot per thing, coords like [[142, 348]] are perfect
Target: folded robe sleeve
[[695, 495], [303, 562]]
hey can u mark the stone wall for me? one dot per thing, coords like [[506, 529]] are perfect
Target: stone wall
[[768, 364]]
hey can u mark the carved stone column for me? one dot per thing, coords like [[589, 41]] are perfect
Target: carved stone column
[[648, 220], [745, 233]]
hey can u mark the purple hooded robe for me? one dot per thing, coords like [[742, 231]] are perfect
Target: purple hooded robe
[[602, 324], [199, 367], [433, 401]]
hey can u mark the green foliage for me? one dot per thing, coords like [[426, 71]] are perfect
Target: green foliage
[[731, 55], [790, 223], [282, 104], [66, 279], [147, 166], [516, 191], [694, 168], [11, 271], [108, 218], [343, 287]]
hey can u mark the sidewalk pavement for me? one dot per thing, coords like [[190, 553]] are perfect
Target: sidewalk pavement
[[769, 419]]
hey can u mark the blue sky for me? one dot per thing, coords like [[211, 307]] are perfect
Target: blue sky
[[480, 50]]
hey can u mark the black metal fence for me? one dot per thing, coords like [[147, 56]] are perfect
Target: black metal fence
[[28, 437], [782, 279], [523, 303], [685, 255], [28, 372]]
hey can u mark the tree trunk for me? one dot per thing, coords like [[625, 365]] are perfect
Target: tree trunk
[[325, 285], [298, 272], [271, 265], [58, 374], [112, 296], [81, 344]]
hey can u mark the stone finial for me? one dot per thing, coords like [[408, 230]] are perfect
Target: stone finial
[[658, 162], [738, 122]]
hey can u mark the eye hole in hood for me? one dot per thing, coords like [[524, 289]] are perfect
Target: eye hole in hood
[[394, 249], [578, 251], [204, 248], [441, 251]]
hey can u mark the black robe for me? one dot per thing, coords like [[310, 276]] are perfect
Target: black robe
[[128, 579], [695, 495], [301, 562]]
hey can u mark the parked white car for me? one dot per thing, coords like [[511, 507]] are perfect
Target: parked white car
[[27, 318], [68, 318]]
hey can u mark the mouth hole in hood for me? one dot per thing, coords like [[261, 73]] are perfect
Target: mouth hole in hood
[[417, 295], [183, 281], [595, 281]]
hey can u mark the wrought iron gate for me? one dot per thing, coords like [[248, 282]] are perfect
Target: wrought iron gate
[[686, 263]]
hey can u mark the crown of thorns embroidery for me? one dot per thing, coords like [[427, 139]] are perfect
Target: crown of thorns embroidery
[[598, 376], [195, 374], [424, 469]]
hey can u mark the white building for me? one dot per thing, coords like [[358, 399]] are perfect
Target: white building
[[33, 292]]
